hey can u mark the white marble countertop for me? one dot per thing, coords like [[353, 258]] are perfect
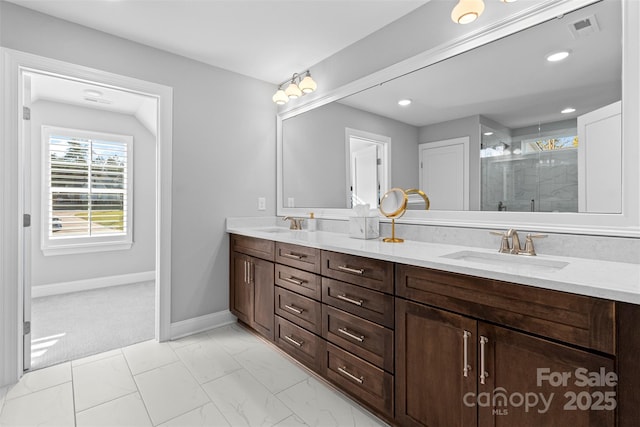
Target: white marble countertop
[[603, 279]]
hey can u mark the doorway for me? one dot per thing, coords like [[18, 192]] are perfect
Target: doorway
[[92, 290], [367, 172], [14, 206]]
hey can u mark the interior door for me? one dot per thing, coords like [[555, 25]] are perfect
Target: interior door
[[365, 175], [444, 173], [26, 247]]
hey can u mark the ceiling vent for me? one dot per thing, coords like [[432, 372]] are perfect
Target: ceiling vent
[[584, 27]]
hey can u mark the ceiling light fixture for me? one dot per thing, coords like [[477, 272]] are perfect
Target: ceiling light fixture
[[404, 102], [558, 56], [488, 133], [568, 110], [297, 87], [467, 11]]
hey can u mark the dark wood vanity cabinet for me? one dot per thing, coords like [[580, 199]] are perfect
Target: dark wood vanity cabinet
[[298, 306], [357, 322], [251, 293], [424, 347], [456, 368]]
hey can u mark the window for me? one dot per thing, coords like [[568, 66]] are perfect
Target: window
[[87, 191]]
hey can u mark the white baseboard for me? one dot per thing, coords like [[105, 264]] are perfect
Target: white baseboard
[[88, 284], [202, 323]]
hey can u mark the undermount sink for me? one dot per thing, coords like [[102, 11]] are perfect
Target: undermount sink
[[277, 230], [520, 261]]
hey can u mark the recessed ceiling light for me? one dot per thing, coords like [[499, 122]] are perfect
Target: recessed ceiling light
[[488, 133], [568, 110], [92, 92], [558, 56], [404, 102]]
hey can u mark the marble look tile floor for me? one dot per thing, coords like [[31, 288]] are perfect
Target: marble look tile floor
[[223, 377]]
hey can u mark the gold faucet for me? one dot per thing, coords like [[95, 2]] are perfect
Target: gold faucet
[[296, 223]]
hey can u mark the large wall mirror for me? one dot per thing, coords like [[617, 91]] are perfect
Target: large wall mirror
[[495, 132]]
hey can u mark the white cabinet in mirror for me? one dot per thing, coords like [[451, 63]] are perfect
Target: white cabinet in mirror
[[495, 135]]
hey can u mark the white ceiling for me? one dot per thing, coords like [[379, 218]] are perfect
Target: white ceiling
[[58, 89], [509, 81], [265, 39]]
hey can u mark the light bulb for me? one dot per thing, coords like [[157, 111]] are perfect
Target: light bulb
[[467, 11], [308, 85], [280, 97], [293, 91]]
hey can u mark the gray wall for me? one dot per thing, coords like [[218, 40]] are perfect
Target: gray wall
[[141, 256], [314, 163], [223, 144]]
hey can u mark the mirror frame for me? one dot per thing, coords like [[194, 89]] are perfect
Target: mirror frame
[[626, 224]]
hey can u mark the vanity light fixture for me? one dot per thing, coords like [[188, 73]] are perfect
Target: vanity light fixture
[[488, 133], [297, 87], [568, 110], [558, 56], [467, 11], [307, 85], [404, 102]]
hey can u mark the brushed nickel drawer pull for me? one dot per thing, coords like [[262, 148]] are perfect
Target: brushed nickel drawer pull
[[345, 331], [294, 342], [344, 297], [294, 280], [466, 366], [359, 271], [294, 309], [294, 256], [343, 371], [483, 374]]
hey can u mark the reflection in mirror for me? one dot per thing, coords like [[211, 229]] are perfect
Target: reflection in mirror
[[489, 129]]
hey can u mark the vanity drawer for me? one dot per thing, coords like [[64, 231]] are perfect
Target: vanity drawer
[[258, 248], [370, 273], [300, 310], [371, 305], [361, 379], [301, 257], [366, 339], [304, 346], [576, 319], [302, 282]]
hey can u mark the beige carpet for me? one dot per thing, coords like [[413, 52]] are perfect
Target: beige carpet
[[70, 326]]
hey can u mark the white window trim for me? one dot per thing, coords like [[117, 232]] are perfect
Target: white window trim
[[81, 244]]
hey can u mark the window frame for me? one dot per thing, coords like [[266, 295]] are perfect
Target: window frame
[[84, 244]]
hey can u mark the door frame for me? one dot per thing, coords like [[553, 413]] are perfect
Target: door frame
[[384, 146], [12, 242]]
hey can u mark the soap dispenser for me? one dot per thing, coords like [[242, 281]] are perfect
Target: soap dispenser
[[312, 223]]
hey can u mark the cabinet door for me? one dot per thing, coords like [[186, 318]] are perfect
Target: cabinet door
[[516, 363], [431, 368], [262, 279], [241, 296]]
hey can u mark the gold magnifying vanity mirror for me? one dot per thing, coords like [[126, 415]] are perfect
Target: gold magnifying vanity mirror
[[394, 204]]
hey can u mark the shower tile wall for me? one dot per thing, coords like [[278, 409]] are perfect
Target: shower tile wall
[[549, 178]]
